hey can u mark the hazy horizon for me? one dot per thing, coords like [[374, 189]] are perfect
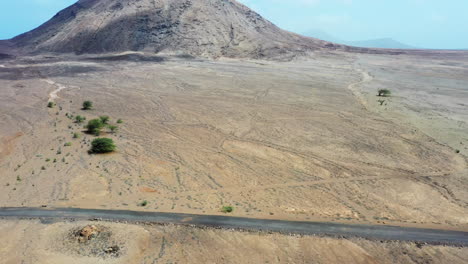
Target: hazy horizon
[[420, 23]]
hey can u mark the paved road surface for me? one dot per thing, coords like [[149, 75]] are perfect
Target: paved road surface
[[430, 236]]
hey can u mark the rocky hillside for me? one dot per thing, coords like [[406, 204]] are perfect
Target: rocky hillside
[[199, 27]]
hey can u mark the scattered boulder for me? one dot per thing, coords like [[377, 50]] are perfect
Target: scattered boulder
[[87, 233]]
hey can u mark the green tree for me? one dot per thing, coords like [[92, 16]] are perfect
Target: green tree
[[87, 105], [80, 119], [102, 145], [384, 92], [95, 126]]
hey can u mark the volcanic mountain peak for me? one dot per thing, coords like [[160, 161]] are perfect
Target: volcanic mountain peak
[[198, 27]]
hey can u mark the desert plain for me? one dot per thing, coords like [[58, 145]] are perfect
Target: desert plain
[[306, 139]]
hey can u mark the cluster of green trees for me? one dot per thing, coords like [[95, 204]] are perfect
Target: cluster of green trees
[[95, 126]]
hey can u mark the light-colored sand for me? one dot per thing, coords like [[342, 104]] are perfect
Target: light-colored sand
[[54, 94], [33, 242]]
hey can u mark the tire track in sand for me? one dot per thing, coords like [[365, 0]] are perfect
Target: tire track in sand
[[366, 77]]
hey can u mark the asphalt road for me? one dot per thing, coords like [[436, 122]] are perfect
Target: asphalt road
[[430, 236]]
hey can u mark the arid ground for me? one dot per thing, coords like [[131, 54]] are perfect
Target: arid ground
[[58, 243], [299, 140]]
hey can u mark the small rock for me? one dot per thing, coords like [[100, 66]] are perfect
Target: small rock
[[88, 232], [112, 250]]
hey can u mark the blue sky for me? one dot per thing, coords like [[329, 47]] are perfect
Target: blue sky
[[420, 23]]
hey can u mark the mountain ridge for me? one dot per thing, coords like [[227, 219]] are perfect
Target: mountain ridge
[[380, 43]]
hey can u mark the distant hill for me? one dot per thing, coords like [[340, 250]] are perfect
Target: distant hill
[[385, 43]]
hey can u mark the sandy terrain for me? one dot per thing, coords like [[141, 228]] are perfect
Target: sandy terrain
[[274, 140], [35, 242], [429, 94]]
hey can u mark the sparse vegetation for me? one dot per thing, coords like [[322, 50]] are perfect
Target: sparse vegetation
[[119, 121], [95, 126], [68, 144], [384, 93], [87, 105], [50, 104], [80, 119], [76, 135], [102, 145], [104, 119], [381, 102], [227, 209]]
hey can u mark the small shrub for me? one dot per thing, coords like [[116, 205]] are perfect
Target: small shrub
[[384, 92], [457, 151], [144, 203], [18, 178], [112, 128], [87, 105], [68, 144], [227, 209], [42, 168], [55, 160], [102, 145], [95, 126], [119, 121], [80, 119], [50, 104], [47, 160], [76, 135]]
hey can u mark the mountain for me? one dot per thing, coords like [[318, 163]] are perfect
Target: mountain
[[383, 43], [198, 27]]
